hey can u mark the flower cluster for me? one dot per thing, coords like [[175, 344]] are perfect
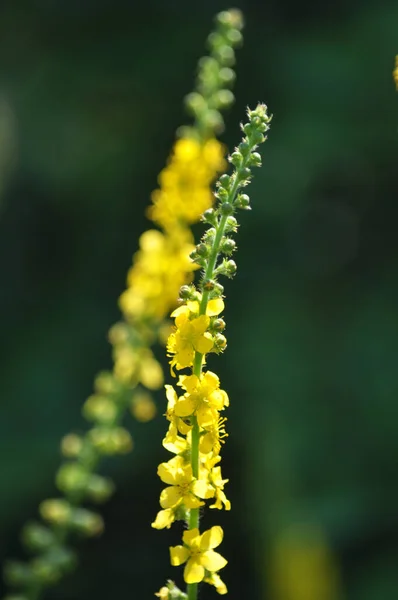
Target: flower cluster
[[160, 266], [196, 429]]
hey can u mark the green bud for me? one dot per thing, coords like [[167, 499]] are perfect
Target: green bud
[[111, 441], [86, 522], [218, 325], [71, 445], [243, 173], [209, 235], [231, 225], [209, 216], [226, 55], [226, 209], [105, 383], [100, 409], [195, 103], [244, 148], [222, 194], [99, 489], [203, 250], [37, 537], [223, 99], [213, 120], [228, 246], [243, 201], [220, 341], [225, 181], [255, 160], [227, 76], [185, 292], [55, 511], [209, 285], [236, 159], [218, 290], [72, 478], [231, 268]]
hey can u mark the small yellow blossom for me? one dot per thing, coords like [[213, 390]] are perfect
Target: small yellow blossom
[[190, 336], [172, 399], [203, 398], [182, 488], [198, 553]]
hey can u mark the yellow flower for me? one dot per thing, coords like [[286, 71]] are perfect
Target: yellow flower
[[190, 336], [198, 553], [182, 488], [213, 438], [163, 593], [203, 398]]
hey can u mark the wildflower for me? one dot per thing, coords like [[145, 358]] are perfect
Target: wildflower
[[182, 487], [203, 398], [198, 553], [214, 436], [190, 336]]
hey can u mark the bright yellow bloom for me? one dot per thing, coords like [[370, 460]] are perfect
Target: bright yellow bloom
[[203, 398], [190, 336], [198, 553], [185, 192], [182, 488]]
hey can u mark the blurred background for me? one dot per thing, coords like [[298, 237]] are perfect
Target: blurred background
[[90, 97]]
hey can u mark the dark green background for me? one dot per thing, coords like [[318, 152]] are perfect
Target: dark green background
[[91, 94]]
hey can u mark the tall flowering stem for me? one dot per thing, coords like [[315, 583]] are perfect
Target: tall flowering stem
[[197, 431], [160, 266]]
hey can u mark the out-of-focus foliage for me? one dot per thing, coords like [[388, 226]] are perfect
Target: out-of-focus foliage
[[92, 95]]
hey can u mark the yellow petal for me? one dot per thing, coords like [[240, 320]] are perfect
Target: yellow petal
[[215, 307], [193, 572], [202, 489], [167, 473], [185, 407], [204, 343], [211, 539], [178, 555], [181, 310], [170, 497], [191, 501], [212, 561], [191, 537], [164, 518]]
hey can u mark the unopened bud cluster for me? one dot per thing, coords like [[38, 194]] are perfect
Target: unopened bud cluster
[[216, 75]]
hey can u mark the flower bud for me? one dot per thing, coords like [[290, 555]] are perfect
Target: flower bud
[[203, 250], [226, 208], [243, 201], [218, 325], [209, 216], [225, 181], [86, 522], [231, 268], [37, 537], [99, 489], [228, 246], [255, 159], [55, 511], [71, 445], [231, 224], [236, 159], [100, 409]]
